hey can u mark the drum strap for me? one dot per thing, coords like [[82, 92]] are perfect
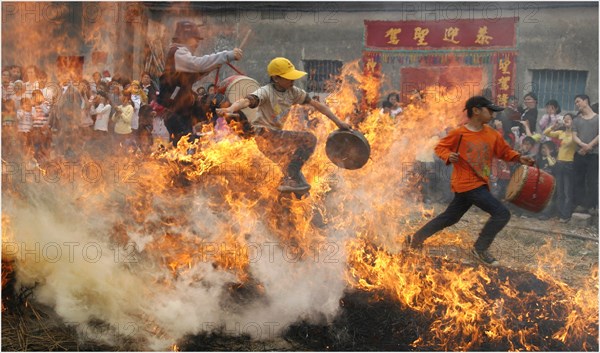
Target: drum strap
[[219, 68], [537, 182], [473, 169]]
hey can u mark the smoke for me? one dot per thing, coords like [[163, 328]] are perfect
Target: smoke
[[79, 247], [143, 251]]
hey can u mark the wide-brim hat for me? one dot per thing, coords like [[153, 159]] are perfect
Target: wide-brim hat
[[187, 29]]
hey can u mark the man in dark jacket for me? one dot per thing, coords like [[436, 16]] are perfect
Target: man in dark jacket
[[182, 69]]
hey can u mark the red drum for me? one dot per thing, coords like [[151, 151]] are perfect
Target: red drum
[[236, 87], [530, 188]]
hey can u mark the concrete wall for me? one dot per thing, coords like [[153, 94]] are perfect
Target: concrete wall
[[562, 39], [559, 36], [553, 35]]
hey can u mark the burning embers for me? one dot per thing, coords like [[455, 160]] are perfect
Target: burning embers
[[459, 307]]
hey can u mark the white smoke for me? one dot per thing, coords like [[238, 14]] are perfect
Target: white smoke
[[64, 247]]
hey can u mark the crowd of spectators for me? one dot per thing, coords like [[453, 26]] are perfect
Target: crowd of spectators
[[121, 113], [564, 144], [113, 113]]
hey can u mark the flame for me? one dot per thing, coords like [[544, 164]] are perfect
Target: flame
[[7, 255], [201, 208]]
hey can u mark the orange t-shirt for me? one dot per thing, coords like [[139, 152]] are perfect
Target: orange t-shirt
[[476, 150]]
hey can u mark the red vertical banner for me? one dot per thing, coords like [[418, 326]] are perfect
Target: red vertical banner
[[505, 70], [372, 80], [371, 65]]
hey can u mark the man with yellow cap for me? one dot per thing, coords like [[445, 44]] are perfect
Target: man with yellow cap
[[289, 149]]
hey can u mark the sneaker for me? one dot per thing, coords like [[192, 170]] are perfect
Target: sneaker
[[544, 218], [484, 257], [410, 245], [564, 220], [592, 211], [292, 185], [406, 243], [579, 209]]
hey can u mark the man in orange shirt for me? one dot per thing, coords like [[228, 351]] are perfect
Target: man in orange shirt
[[471, 148]]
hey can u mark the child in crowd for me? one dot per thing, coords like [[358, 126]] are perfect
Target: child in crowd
[[40, 131], [138, 98], [508, 136], [88, 117], [528, 147], [563, 170], [395, 109], [19, 93], [160, 134], [386, 108], [102, 112], [546, 161], [211, 89], [148, 87], [8, 88], [122, 119], [9, 125], [114, 99], [25, 123], [546, 157], [550, 118], [31, 79]]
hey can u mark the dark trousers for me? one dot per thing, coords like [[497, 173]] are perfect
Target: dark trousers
[[585, 180], [289, 149], [563, 175], [178, 125], [462, 202]]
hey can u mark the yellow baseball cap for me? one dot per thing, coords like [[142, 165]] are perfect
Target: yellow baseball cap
[[284, 68]]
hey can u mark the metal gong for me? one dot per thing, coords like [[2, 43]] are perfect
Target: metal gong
[[348, 149]]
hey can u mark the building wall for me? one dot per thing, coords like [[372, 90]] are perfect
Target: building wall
[[562, 39], [559, 36], [555, 35], [37, 33]]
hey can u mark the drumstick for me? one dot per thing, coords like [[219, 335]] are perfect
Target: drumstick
[[459, 141], [245, 39]]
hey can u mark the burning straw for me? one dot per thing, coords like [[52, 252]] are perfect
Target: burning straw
[[191, 242]]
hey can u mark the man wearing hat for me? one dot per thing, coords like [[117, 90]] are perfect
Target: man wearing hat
[[289, 149], [182, 69], [470, 148]]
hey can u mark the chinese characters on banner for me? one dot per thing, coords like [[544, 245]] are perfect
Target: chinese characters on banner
[[470, 42], [427, 35], [372, 71], [504, 76]]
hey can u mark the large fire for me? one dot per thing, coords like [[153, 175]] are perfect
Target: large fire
[[197, 238]]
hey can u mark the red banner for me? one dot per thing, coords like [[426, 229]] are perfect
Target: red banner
[[427, 35], [505, 69], [372, 70]]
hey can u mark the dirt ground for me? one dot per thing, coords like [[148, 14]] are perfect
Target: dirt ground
[[520, 243], [517, 247]]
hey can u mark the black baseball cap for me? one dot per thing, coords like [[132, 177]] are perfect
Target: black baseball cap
[[482, 102]]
